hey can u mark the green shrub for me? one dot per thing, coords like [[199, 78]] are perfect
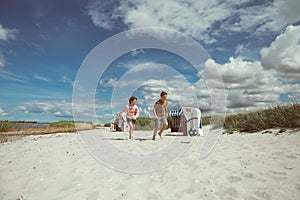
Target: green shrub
[[107, 125], [5, 126], [143, 121], [144, 124], [63, 124], [282, 130], [206, 120]]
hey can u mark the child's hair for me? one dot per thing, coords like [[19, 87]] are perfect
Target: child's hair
[[163, 93], [131, 99]]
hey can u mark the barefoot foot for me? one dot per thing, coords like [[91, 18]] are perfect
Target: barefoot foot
[[160, 135]]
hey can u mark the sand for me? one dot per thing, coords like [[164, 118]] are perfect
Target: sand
[[241, 166]]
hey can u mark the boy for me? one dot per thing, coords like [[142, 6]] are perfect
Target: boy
[[132, 112], [160, 114]]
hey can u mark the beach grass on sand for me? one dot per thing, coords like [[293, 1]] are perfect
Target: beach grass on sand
[[282, 117], [8, 133]]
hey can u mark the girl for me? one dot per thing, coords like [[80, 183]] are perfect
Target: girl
[[132, 112]]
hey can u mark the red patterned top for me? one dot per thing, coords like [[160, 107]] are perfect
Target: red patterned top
[[131, 111]]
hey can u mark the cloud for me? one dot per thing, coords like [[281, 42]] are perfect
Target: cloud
[[238, 73], [283, 54], [105, 117], [55, 108], [67, 80], [262, 18], [108, 83], [180, 93], [104, 14], [136, 52], [203, 20], [6, 33], [248, 85], [10, 76], [41, 78], [61, 108], [191, 17], [3, 113]]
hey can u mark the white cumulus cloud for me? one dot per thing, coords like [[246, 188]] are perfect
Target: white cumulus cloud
[[62, 108], [3, 113], [108, 83], [248, 85], [283, 54], [6, 33], [203, 20]]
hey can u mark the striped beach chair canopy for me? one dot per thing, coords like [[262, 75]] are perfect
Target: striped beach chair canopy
[[174, 113]]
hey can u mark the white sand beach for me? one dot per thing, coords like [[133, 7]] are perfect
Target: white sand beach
[[241, 166]]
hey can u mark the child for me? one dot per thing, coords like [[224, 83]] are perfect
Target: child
[[132, 112], [160, 114]]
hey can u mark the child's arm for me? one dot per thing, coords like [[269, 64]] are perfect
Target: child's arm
[[123, 110], [166, 111], [167, 115], [136, 114], [154, 111]]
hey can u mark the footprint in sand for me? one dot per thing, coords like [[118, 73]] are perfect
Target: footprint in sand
[[232, 192], [245, 163], [262, 195], [291, 156], [274, 175], [234, 179], [278, 173], [213, 162], [277, 153], [189, 191], [248, 175]]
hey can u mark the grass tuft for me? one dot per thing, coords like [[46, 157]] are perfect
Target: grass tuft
[[5, 126], [283, 117]]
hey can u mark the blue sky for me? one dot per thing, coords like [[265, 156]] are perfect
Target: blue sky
[[253, 44]]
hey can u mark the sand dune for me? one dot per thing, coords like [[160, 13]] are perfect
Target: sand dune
[[250, 166]]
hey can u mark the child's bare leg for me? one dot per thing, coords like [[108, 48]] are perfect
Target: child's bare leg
[[133, 127], [130, 130], [162, 129], [155, 131], [157, 125]]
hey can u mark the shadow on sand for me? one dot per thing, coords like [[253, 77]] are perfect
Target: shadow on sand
[[140, 139]]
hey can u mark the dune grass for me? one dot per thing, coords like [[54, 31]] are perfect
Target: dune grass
[[4, 138], [144, 124], [148, 124], [8, 133], [282, 117], [5, 126]]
